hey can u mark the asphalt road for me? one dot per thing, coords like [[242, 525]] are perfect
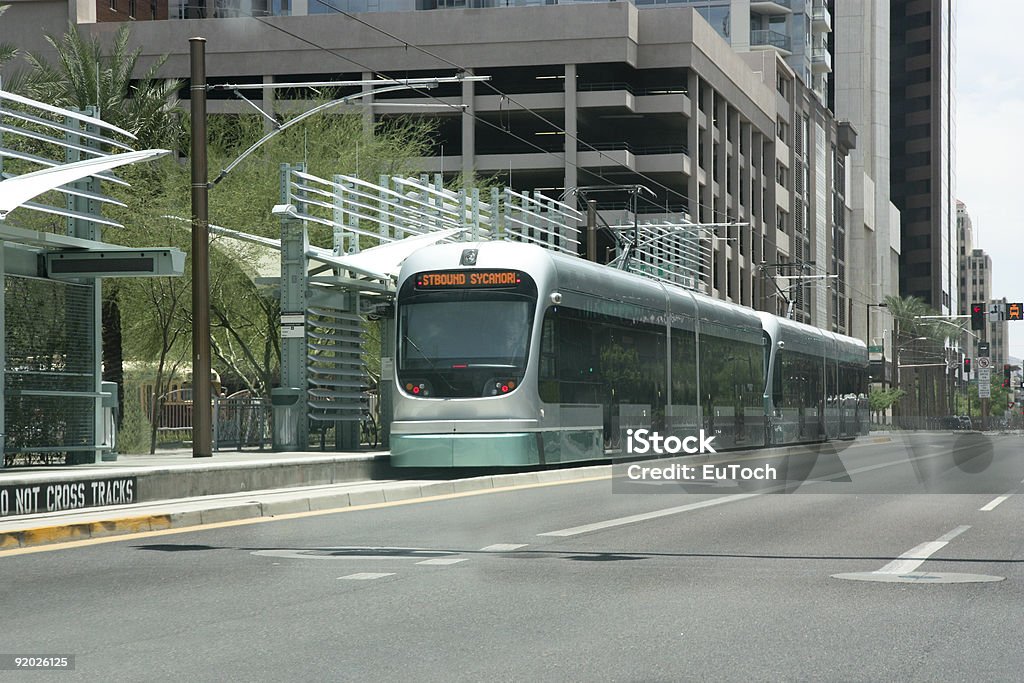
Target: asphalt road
[[565, 582]]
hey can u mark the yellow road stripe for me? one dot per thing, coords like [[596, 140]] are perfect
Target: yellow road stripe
[[45, 533]]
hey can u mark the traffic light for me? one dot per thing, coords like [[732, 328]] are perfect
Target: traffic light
[[977, 316], [967, 366], [1006, 375]]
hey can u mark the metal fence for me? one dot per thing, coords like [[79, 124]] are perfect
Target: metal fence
[[241, 423]]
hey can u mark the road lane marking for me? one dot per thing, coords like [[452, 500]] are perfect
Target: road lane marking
[[573, 531], [444, 560], [915, 557], [502, 547], [120, 538], [366, 576], [992, 505]]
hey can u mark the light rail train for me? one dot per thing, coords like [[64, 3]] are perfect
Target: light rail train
[[509, 354]]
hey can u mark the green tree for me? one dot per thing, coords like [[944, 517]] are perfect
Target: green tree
[[919, 348], [88, 76], [880, 400], [244, 308]]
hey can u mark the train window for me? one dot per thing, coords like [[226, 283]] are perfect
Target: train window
[[684, 368], [799, 381], [597, 358], [436, 332], [732, 375]]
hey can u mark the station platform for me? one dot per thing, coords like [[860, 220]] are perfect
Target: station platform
[[171, 491]]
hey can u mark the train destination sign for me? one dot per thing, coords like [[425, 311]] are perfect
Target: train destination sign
[[456, 279], [35, 497]]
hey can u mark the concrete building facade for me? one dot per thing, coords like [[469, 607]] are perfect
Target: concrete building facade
[[587, 94], [862, 97]]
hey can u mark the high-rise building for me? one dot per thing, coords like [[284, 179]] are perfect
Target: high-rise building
[[862, 97], [965, 251], [797, 29], [923, 138]]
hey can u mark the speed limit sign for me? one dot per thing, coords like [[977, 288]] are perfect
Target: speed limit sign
[[984, 362]]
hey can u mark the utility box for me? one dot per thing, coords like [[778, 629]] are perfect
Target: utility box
[[289, 407]]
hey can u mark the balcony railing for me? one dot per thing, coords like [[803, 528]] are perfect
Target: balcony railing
[[633, 149], [771, 38], [821, 16], [821, 59], [633, 90]]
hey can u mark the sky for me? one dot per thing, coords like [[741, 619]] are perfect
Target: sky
[[990, 140]]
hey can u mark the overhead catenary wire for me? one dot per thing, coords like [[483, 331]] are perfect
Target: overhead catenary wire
[[507, 130]]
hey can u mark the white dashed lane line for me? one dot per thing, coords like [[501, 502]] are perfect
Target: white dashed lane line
[[915, 557], [444, 560], [992, 505], [502, 547], [648, 515], [366, 576]]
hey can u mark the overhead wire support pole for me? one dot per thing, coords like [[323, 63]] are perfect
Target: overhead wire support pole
[[411, 84], [202, 421]]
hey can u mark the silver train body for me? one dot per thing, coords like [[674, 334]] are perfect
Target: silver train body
[[509, 354]]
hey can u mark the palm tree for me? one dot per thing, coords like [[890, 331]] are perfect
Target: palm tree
[[920, 331], [84, 76]]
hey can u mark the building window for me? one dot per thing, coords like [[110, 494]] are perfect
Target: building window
[[782, 85], [131, 9], [782, 130], [113, 5]]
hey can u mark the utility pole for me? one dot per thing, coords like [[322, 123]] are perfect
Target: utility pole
[[201, 413]]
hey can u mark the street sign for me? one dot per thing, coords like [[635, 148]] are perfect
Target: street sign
[[982, 350], [1015, 311], [984, 391], [984, 374], [997, 311], [984, 362]]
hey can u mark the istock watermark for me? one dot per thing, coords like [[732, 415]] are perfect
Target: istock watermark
[[644, 441], [707, 473]]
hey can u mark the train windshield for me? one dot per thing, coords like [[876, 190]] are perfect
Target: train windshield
[[462, 342]]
